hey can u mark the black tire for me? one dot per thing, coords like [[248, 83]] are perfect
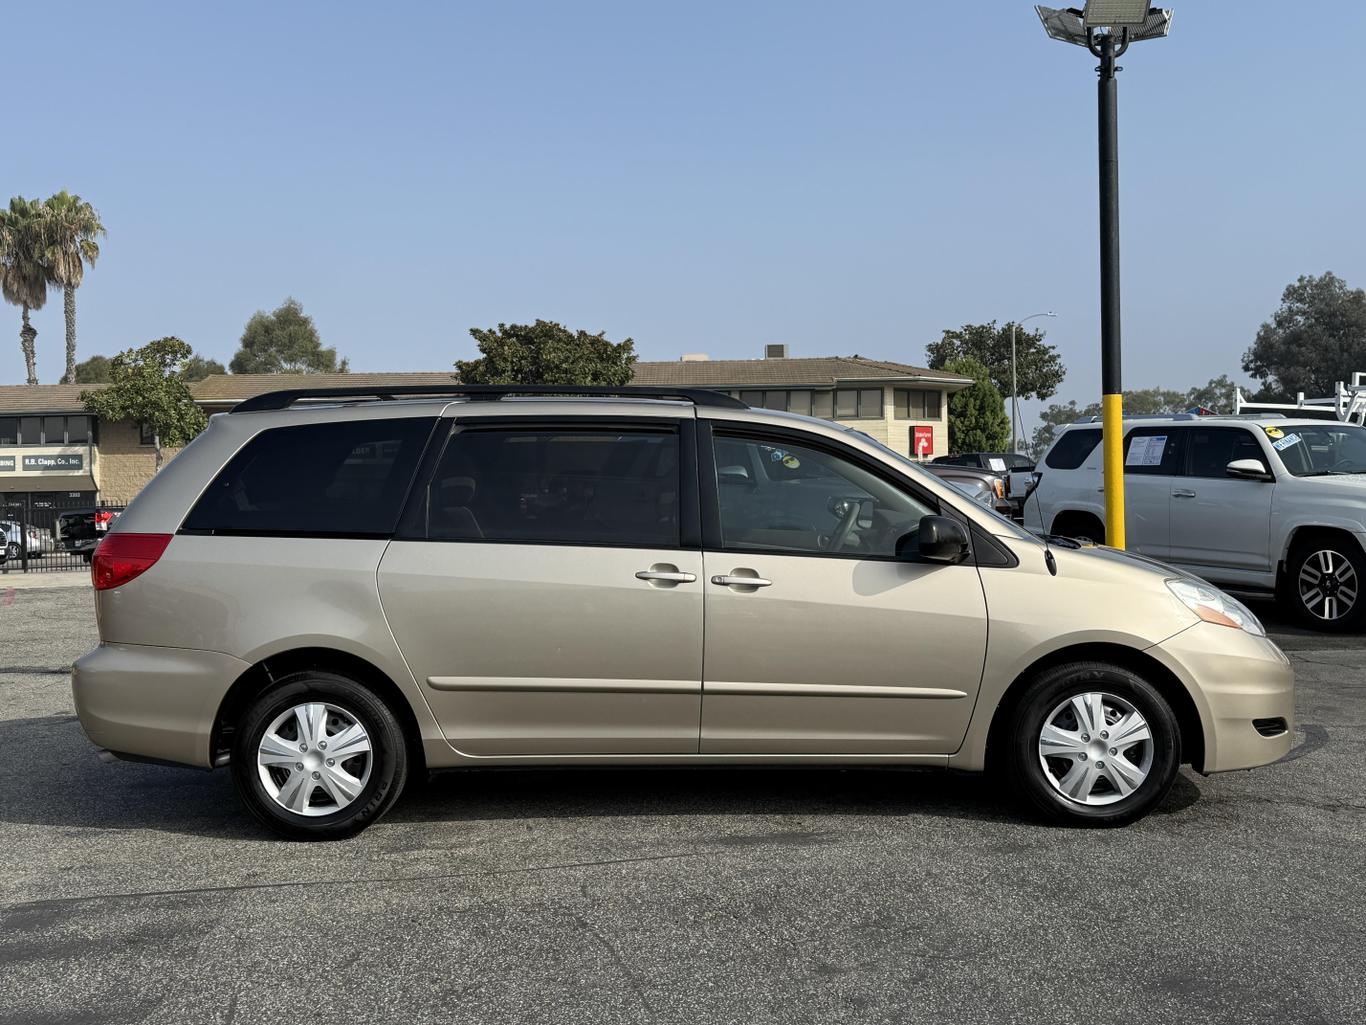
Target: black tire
[[388, 759], [12, 551], [1340, 552], [1026, 769], [1082, 526]]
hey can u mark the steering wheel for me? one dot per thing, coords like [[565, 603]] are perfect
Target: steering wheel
[[846, 526]]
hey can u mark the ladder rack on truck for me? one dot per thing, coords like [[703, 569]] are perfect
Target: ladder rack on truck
[[1348, 403]]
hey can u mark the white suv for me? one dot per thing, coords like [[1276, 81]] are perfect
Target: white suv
[[1266, 504]]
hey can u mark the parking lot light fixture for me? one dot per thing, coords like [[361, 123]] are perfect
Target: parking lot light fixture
[[1106, 28]]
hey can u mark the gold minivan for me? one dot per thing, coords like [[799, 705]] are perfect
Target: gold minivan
[[332, 590]]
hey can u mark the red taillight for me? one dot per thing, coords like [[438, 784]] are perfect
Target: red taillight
[[120, 558]]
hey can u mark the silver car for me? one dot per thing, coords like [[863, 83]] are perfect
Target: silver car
[[329, 592]]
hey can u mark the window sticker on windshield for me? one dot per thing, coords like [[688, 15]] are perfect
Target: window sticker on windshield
[[996, 463], [791, 462], [1282, 444], [1275, 432], [1146, 450]]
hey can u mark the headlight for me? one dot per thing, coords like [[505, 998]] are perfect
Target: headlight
[[1214, 606]]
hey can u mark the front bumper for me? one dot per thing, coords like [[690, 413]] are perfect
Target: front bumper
[[152, 702], [1235, 680]]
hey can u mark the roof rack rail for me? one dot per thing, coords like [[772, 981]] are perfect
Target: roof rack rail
[[286, 398], [1142, 416]]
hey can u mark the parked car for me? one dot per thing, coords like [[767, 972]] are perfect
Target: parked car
[[1269, 505], [1015, 470], [982, 485], [80, 530], [16, 538], [333, 596]]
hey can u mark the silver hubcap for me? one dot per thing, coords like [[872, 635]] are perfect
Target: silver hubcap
[[314, 759], [1095, 749], [1328, 585]]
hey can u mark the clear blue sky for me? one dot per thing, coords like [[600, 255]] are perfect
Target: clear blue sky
[[702, 177]]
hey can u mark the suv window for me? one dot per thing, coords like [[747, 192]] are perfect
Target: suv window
[[1209, 450], [1152, 451], [594, 486], [1072, 449], [345, 479], [783, 498]]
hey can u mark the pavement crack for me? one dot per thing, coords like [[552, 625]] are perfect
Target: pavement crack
[[615, 955], [190, 891]]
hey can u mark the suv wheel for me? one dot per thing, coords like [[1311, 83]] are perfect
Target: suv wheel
[[12, 551], [1323, 584], [319, 757], [1093, 744]]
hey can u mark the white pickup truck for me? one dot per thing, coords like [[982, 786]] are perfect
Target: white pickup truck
[[1264, 504]]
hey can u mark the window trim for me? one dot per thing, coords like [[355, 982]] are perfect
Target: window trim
[[768, 434], [412, 522]]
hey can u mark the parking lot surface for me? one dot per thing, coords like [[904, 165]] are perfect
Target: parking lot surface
[[134, 893]]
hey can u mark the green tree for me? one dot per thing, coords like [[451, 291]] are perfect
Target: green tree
[[1217, 395], [23, 278], [94, 370], [145, 386], [284, 341], [1039, 367], [1314, 340], [199, 367], [547, 353], [70, 226], [977, 414]]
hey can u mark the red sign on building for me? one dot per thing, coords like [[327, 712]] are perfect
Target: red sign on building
[[922, 442]]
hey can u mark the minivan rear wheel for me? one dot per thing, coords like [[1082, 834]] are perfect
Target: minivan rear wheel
[[1093, 744], [318, 756]]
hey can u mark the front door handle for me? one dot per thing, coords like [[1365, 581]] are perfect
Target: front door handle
[[665, 574], [1182, 493], [730, 580]]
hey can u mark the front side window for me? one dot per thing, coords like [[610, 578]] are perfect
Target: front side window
[[782, 498], [346, 479], [1211, 449], [558, 486], [1319, 450]]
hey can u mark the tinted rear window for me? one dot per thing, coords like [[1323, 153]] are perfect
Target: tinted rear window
[[560, 486], [1072, 449], [333, 479]]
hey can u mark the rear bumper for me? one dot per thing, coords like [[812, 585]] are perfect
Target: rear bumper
[[151, 702], [1236, 680]]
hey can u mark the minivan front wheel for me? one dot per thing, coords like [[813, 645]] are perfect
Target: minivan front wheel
[[318, 756], [1093, 744]]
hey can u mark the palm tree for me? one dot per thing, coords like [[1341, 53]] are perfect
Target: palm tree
[[23, 278], [70, 227]]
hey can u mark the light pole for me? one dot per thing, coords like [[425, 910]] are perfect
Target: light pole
[[1014, 389], [1106, 28]]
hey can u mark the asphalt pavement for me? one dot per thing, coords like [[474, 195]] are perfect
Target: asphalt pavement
[[134, 893]]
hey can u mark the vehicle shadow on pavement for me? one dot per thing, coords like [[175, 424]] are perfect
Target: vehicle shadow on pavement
[[80, 791]]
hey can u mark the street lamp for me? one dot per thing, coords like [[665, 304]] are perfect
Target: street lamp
[[1106, 28], [1014, 412]]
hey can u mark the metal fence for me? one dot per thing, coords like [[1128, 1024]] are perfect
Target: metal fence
[[43, 534]]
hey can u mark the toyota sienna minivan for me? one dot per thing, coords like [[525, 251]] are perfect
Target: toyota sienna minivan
[[331, 591]]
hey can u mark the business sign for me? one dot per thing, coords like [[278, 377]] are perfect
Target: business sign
[[6, 463], [55, 463], [922, 441]]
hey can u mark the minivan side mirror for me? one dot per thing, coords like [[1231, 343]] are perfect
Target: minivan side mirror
[[1248, 469], [937, 539]]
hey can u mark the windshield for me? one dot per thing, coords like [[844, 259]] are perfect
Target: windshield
[[1320, 450], [1002, 525]]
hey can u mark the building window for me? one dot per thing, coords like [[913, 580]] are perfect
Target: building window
[[858, 404], [9, 430], [78, 430], [917, 404], [30, 430], [146, 436], [823, 405], [799, 402]]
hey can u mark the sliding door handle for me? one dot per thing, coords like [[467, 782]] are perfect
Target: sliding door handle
[[730, 580]]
